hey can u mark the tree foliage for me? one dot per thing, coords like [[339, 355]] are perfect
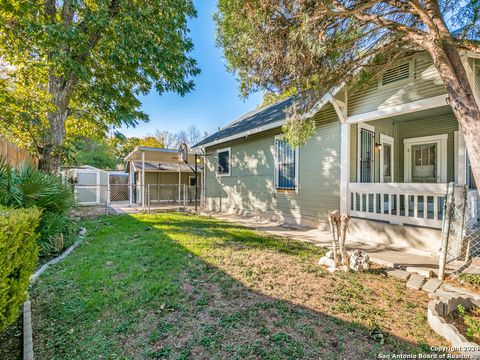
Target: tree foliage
[[78, 67], [315, 45]]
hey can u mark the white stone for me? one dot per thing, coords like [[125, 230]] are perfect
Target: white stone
[[329, 254], [325, 261], [82, 231]]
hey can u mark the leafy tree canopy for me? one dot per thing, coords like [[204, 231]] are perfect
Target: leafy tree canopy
[[78, 67], [316, 45]]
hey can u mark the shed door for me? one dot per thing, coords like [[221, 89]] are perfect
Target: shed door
[[88, 187]]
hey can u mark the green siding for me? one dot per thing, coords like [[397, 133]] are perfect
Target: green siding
[[425, 83], [477, 78], [250, 188]]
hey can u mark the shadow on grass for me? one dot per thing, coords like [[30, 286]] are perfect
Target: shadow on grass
[[176, 286]]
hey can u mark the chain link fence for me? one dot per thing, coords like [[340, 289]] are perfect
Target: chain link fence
[[461, 229], [121, 198]]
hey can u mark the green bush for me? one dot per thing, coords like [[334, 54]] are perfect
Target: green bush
[[26, 187], [18, 259]]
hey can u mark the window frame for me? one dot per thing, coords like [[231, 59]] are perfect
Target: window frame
[[296, 186], [229, 150], [411, 73]]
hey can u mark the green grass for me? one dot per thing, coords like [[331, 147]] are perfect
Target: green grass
[[181, 286]]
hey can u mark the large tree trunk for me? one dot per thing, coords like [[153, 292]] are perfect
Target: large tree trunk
[[50, 155], [460, 97]]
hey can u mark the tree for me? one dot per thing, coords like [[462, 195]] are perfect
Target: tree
[[191, 136], [94, 153], [87, 63], [315, 45]]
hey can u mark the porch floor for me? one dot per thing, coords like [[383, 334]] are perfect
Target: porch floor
[[382, 255]]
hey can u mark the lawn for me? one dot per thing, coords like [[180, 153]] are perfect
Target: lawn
[[182, 286]]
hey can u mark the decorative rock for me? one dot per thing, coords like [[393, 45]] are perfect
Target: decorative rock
[[399, 274], [359, 261], [432, 285], [325, 261], [329, 254], [415, 281]]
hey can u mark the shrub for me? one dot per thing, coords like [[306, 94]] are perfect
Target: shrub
[[18, 258], [25, 187]]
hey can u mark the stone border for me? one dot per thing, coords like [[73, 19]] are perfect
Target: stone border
[[437, 309], [35, 276], [27, 331]]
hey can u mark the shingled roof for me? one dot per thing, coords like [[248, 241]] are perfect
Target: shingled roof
[[250, 123]]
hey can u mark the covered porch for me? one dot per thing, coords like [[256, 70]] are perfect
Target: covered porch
[[396, 168]]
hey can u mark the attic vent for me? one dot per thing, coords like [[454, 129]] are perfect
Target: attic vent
[[400, 72]]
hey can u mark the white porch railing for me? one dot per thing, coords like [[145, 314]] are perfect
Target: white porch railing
[[398, 203]]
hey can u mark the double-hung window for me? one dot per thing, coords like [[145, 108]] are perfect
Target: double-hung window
[[223, 162], [285, 165]]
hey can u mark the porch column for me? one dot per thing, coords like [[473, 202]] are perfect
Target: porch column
[[130, 182], [344, 167], [143, 180], [179, 182]]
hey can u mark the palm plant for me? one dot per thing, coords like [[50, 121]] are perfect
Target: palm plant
[[26, 187]]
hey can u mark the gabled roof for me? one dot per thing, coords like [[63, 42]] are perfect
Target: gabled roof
[[255, 121]]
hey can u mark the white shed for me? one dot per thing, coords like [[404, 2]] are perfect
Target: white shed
[[91, 184]]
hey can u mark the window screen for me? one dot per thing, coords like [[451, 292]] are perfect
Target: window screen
[[285, 161], [223, 165]]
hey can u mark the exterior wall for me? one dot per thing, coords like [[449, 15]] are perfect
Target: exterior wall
[[425, 83], [405, 129], [250, 188]]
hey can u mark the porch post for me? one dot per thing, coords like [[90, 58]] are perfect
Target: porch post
[[130, 182], [179, 182], [143, 180], [344, 167]]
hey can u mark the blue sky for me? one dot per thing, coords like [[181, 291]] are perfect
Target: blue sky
[[215, 100]]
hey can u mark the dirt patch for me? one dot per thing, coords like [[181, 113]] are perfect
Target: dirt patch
[[467, 322], [11, 341]]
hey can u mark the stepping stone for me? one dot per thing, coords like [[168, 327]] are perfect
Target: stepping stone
[[399, 274], [415, 281], [428, 273], [432, 285]]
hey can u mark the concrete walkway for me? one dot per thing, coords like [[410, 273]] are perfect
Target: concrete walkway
[[382, 255]]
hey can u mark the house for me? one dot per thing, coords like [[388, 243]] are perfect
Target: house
[[157, 176], [383, 153]]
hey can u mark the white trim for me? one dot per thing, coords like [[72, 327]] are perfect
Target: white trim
[[275, 173], [344, 166], [142, 191], [441, 141], [460, 158], [385, 139], [359, 150], [411, 73], [424, 104], [229, 149]]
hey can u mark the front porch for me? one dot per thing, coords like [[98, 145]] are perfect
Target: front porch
[[396, 169]]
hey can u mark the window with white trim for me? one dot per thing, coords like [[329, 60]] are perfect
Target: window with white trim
[[403, 71], [223, 162], [285, 165]]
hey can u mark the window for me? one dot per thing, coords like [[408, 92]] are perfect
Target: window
[[192, 181], [387, 160], [397, 73], [285, 160], [223, 162]]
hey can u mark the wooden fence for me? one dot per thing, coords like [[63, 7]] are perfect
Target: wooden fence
[[14, 154]]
